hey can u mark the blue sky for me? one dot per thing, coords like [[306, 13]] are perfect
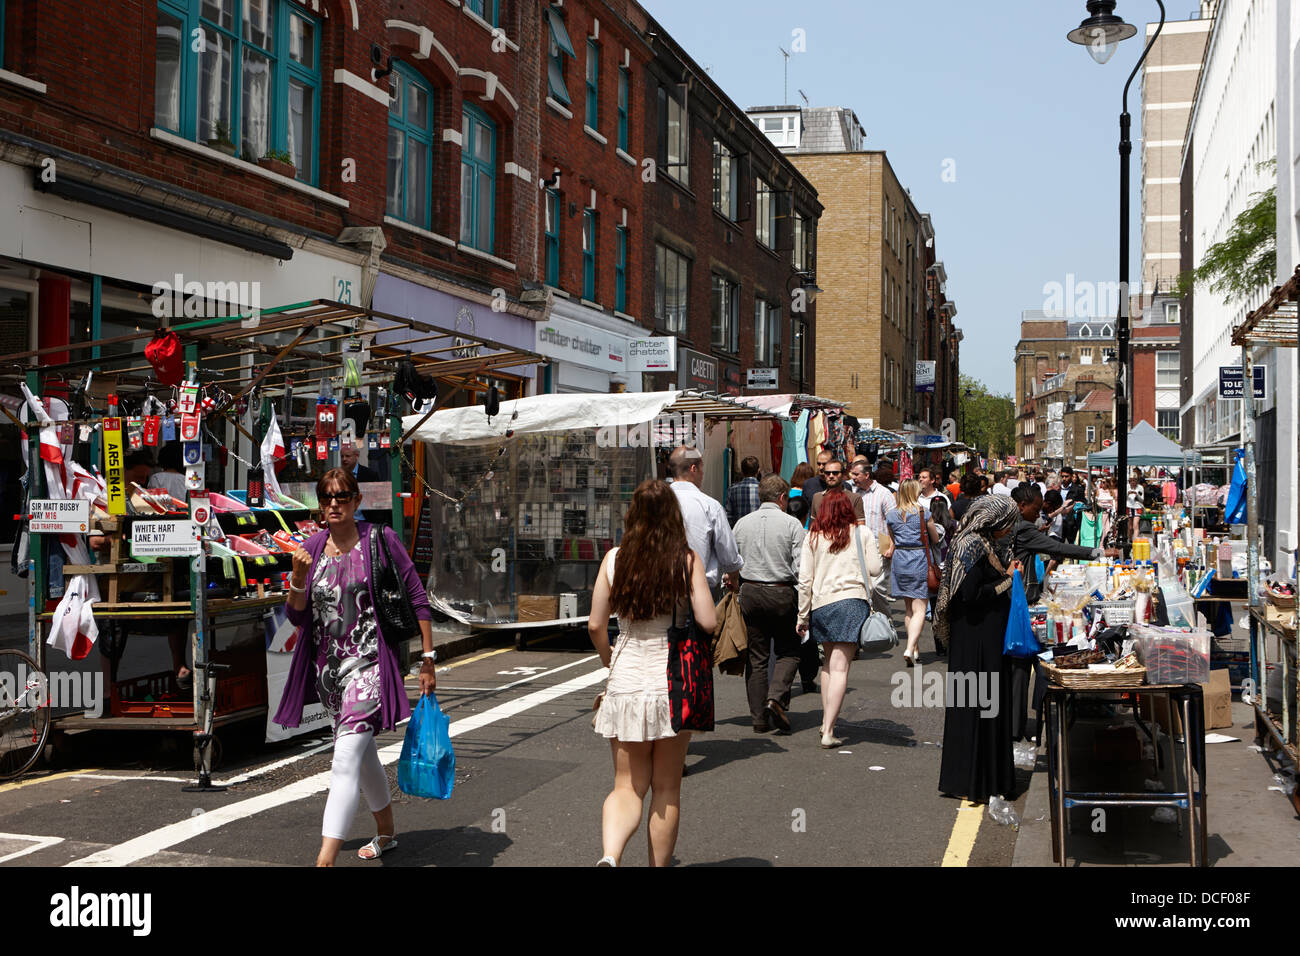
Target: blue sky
[[1030, 122]]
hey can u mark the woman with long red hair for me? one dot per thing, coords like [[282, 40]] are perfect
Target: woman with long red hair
[[652, 578], [834, 597]]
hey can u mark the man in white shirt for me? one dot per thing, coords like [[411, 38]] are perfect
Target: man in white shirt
[[999, 486], [877, 501], [707, 530], [929, 490]]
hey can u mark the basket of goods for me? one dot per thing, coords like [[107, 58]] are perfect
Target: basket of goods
[[1091, 670]]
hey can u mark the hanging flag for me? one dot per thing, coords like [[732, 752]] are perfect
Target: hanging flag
[[272, 453]]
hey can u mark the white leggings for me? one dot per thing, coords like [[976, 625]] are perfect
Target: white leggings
[[356, 767]]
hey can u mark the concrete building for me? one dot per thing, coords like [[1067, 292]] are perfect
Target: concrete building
[[1169, 78], [884, 316], [1286, 488], [1233, 137]]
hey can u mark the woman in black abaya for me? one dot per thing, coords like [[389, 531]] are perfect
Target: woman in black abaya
[[971, 618]]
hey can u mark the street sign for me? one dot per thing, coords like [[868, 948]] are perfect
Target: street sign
[[1230, 381], [164, 539], [1106, 443], [59, 516], [763, 378]]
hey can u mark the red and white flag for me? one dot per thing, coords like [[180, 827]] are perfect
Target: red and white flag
[[272, 457]]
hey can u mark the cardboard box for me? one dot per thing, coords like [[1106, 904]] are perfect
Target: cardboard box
[[1218, 700], [538, 607]]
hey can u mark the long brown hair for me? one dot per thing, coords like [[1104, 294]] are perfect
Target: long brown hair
[[802, 472], [835, 520], [651, 575]]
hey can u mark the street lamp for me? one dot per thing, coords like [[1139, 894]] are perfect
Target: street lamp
[[1100, 32], [807, 283]]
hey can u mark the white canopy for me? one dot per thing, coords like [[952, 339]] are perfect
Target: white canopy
[[539, 413]]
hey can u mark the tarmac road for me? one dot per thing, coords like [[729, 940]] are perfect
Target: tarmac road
[[530, 780]]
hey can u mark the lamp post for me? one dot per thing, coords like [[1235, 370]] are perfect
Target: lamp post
[[1100, 33], [807, 284]]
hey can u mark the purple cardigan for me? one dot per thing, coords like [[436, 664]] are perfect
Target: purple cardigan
[[300, 688]]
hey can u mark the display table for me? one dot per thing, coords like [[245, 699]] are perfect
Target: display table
[[1188, 698]]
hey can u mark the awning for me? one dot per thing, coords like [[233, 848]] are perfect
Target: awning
[[551, 413], [1147, 448]]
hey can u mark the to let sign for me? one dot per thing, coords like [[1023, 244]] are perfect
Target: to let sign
[[164, 539], [757, 378], [1231, 381], [57, 516]]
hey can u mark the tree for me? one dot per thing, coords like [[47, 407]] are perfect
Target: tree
[[988, 421], [1246, 260]]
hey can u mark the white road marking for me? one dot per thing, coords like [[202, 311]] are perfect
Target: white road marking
[[38, 843], [168, 836], [329, 744], [115, 777]]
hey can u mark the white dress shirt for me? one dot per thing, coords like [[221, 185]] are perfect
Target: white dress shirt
[[708, 531]]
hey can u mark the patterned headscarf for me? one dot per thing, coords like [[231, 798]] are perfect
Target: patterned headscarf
[[974, 540]]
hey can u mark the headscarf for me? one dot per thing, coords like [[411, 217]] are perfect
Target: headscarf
[[987, 515]]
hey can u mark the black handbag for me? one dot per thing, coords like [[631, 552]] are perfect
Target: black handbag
[[396, 617], [690, 675]]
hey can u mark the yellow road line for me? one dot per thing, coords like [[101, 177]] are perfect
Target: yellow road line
[[468, 660], [19, 784], [964, 830]]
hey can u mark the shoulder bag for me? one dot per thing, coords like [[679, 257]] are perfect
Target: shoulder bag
[[690, 675], [396, 617], [877, 632], [931, 569]]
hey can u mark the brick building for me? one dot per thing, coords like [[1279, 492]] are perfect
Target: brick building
[[730, 235], [1064, 368], [885, 296]]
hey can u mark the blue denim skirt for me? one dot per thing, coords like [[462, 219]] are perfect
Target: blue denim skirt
[[839, 622]]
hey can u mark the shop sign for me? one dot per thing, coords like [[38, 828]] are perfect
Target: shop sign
[[164, 539], [762, 378], [59, 516], [696, 370], [925, 376], [657, 354], [1231, 381], [114, 479], [569, 341]]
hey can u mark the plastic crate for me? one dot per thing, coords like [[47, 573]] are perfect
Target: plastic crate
[[153, 695], [1171, 656]]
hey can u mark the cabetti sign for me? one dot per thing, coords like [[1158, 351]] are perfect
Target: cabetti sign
[[696, 370], [580, 344]]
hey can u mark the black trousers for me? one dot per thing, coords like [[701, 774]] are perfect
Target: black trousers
[[810, 663], [770, 613], [1021, 670]]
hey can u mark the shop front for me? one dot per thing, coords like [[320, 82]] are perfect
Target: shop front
[[590, 349]]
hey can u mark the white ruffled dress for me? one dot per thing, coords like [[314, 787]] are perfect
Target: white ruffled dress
[[635, 707]]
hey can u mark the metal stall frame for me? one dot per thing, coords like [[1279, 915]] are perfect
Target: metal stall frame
[[1272, 325], [281, 339]]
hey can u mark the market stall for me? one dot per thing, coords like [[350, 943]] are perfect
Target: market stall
[[519, 508], [1272, 604], [249, 409]]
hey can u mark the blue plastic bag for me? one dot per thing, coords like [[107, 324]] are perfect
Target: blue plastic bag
[[1020, 640], [1234, 509], [428, 764]]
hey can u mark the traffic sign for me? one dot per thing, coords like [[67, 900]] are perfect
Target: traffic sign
[[1106, 442]]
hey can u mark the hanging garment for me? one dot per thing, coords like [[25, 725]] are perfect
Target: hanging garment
[[904, 465], [1169, 491], [790, 456], [1089, 530], [818, 432], [801, 437], [1234, 508], [778, 444]]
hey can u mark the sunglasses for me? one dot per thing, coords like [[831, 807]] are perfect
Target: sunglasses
[[341, 496], [829, 473]]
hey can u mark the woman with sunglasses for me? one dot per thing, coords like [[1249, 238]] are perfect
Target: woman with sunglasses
[[342, 660]]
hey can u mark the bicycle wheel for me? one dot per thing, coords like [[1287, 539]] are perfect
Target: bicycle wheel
[[24, 713]]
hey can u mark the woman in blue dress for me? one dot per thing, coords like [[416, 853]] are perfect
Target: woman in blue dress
[[906, 524]]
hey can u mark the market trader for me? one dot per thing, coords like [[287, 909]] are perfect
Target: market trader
[[707, 530]]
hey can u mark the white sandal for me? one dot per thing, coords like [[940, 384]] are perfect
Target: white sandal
[[376, 850]]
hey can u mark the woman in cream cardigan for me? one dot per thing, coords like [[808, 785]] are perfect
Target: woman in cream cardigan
[[834, 597]]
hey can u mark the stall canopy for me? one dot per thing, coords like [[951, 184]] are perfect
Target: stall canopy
[[1146, 448], [552, 413]]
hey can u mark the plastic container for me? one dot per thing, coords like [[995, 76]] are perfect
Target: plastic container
[[1172, 656]]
